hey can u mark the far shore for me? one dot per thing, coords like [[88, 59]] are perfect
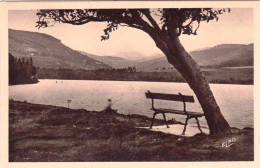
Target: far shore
[[242, 76], [238, 83], [41, 133]]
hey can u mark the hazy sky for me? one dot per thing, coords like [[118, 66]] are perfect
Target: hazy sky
[[235, 27]]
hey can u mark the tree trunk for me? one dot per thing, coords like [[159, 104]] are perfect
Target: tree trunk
[[191, 72]]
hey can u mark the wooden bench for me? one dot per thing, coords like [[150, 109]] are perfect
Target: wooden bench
[[174, 97]]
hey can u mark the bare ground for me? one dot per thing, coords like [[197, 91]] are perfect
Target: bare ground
[[49, 133]]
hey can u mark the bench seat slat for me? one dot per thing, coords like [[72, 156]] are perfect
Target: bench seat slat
[[174, 97], [180, 112], [171, 97]]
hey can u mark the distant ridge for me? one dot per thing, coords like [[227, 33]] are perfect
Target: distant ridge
[[49, 52], [115, 62], [223, 55]]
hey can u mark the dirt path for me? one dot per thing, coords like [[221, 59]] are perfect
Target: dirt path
[[49, 133]]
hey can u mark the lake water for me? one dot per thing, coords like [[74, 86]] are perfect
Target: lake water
[[235, 101]]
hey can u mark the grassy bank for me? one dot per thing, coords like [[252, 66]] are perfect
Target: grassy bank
[[50, 133]]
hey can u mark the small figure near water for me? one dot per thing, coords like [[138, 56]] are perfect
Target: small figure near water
[[109, 107], [68, 101]]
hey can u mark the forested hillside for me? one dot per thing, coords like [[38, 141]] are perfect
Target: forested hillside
[[21, 71]]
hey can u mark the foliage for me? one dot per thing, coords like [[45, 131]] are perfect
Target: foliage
[[108, 74], [21, 71], [183, 20]]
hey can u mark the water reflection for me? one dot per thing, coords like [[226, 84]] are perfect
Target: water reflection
[[235, 101]]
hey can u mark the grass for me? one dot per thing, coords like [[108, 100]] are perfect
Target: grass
[[49, 133]]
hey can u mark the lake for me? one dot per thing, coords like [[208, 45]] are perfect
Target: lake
[[235, 101]]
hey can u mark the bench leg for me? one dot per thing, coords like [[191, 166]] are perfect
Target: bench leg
[[154, 114], [165, 120], [186, 122], [198, 124]]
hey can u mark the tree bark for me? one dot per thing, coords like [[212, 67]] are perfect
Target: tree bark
[[190, 70]]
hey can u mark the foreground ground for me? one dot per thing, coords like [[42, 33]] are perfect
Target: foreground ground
[[49, 133]]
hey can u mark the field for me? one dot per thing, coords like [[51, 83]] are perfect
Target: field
[[49, 133]]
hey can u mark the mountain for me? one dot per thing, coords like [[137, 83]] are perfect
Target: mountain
[[156, 64], [48, 51], [148, 58], [132, 55], [119, 62], [224, 55], [114, 62]]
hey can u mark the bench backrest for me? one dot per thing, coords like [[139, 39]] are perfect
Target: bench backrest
[[171, 97]]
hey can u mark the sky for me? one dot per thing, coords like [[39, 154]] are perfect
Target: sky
[[235, 27]]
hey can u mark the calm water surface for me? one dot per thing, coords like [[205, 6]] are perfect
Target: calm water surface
[[235, 101]]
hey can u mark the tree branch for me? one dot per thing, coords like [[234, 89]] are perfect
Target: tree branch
[[147, 14]]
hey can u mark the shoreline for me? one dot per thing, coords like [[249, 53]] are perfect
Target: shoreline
[[249, 84], [51, 133], [24, 83]]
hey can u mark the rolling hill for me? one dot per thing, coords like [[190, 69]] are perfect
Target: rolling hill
[[156, 64], [48, 51], [131, 55], [115, 62], [224, 55]]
